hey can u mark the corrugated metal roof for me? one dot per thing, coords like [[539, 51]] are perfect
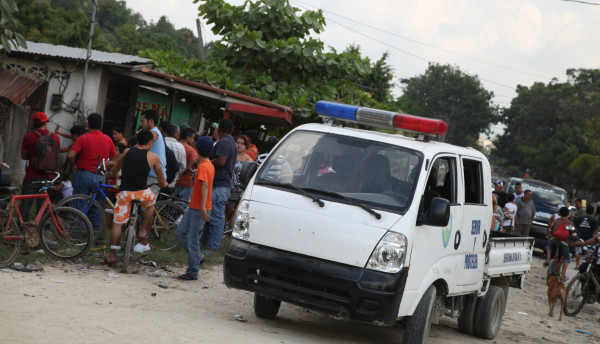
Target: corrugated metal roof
[[45, 49], [16, 86]]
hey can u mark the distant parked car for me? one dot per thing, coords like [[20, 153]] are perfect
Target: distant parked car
[[546, 198]]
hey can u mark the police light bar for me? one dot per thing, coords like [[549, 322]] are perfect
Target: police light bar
[[380, 118]]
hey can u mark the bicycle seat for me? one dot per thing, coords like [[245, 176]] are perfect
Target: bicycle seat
[[7, 189]]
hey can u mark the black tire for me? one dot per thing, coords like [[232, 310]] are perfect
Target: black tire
[[418, 325], [577, 294], [162, 235], [466, 320], [265, 307], [74, 237], [490, 310], [68, 202], [128, 247], [9, 249]]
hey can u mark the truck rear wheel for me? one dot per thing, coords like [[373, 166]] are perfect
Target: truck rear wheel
[[265, 307], [489, 313], [418, 325], [466, 320]]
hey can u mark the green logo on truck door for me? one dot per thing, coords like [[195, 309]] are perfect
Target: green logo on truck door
[[446, 232]]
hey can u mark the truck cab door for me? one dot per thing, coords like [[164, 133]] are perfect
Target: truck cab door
[[474, 232], [434, 246]]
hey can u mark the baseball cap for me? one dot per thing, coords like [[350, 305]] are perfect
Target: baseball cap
[[204, 143], [499, 183], [39, 117]]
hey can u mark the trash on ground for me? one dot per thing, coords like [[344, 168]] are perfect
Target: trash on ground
[[240, 318], [521, 313], [583, 331], [162, 285], [112, 275], [57, 280]]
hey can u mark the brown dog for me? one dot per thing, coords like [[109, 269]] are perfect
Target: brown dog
[[556, 290]]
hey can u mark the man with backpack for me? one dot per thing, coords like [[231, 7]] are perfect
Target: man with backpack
[[40, 147]]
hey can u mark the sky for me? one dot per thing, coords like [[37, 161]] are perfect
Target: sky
[[504, 43]]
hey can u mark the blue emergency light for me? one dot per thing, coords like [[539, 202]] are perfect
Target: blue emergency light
[[380, 118]]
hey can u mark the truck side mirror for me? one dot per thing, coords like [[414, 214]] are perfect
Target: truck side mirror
[[438, 213], [248, 170]]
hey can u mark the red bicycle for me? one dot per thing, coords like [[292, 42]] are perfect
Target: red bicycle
[[62, 232]]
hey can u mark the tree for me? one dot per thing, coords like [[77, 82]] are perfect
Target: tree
[[267, 52], [9, 37], [459, 99]]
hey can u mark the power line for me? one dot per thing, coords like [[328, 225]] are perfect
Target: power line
[[428, 45], [583, 2]]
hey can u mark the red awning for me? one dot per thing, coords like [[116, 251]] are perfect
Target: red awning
[[262, 114], [17, 86]]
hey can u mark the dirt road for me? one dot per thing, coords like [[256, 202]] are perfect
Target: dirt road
[[74, 304]]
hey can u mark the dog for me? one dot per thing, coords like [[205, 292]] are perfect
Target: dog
[[556, 290]]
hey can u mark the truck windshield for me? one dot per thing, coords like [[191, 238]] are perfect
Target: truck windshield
[[375, 174]]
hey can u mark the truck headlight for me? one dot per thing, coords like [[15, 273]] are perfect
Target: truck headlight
[[241, 225], [389, 254]]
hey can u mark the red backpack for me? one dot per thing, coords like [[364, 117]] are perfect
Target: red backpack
[[561, 232], [45, 153]]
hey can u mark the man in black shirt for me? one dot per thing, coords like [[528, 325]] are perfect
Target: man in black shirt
[[500, 194], [587, 227]]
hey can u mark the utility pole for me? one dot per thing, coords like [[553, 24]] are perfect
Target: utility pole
[[88, 55], [200, 42]]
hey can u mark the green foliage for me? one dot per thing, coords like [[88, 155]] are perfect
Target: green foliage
[[459, 99], [552, 130], [9, 36], [118, 28]]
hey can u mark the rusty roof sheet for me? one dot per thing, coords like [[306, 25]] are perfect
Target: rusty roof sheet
[[17, 86], [45, 49]]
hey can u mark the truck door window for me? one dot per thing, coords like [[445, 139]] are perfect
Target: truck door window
[[375, 174], [473, 181], [441, 179]]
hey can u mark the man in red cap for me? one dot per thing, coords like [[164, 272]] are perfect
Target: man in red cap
[[40, 122]]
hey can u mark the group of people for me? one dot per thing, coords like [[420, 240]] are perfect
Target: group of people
[[513, 212], [208, 177]]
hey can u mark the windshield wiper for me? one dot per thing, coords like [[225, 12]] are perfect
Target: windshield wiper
[[349, 200], [294, 187]]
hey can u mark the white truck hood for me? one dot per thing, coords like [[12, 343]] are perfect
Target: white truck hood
[[337, 232]]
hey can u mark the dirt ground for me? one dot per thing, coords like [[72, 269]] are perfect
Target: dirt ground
[[68, 303]]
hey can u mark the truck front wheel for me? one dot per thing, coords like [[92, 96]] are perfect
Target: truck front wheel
[[466, 320], [418, 325], [489, 313], [265, 307]]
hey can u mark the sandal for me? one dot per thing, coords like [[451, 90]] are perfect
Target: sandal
[[105, 261]]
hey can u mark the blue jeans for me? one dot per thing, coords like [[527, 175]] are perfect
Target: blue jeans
[[184, 193], [85, 183], [564, 249], [220, 195], [28, 188], [188, 234]]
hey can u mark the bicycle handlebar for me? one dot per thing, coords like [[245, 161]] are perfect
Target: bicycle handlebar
[[47, 182]]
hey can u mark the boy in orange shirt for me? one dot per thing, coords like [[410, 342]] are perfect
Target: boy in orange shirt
[[188, 231]]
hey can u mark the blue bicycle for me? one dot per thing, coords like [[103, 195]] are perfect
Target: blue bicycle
[[90, 206]]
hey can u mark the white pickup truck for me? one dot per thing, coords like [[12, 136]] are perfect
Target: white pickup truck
[[375, 227]]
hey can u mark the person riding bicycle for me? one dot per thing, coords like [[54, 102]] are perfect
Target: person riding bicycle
[[558, 233], [135, 165]]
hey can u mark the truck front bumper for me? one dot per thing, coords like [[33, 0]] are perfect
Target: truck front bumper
[[342, 291]]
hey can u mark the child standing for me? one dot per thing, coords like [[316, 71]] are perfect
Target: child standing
[[188, 231], [510, 210]]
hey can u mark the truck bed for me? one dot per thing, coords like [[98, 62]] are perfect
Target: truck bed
[[508, 254]]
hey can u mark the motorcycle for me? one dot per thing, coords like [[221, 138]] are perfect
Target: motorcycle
[[585, 286]]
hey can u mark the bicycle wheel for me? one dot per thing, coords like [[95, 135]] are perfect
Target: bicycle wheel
[[98, 211], [9, 248], [67, 235], [128, 247], [166, 219], [577, 294]]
